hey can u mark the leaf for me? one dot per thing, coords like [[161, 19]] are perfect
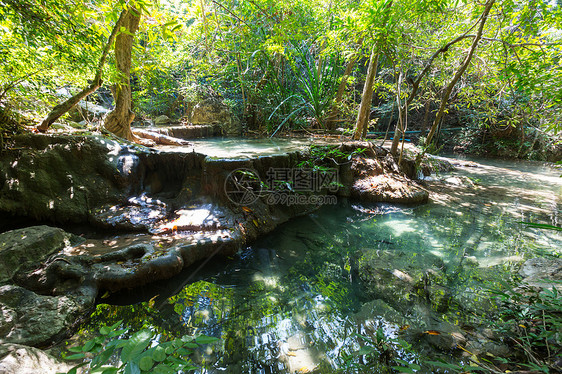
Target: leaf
[[432, 332], [76, 356], [89, 346], [104, 330], [203, 339], [163, 369], [542, 226], [365, 350], [402, 369], [135, 345], [110, 370], [159, 354], [146, 363], [153, 300], [131, 368]]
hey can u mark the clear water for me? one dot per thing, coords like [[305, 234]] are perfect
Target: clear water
[[243, 147], [292, 301]]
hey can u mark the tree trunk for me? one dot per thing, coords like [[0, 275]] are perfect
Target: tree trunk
[[334, 112], [367, 96], [64, 107], [119, 120], [459, 72], [399, 130]]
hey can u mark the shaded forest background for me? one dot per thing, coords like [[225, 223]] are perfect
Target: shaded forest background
[[301, 65]]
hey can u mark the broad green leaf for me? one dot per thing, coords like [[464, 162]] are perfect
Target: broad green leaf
[[159, 354], [203, 339], [76, 356], [136, 344], [146, 363], [131, 368]]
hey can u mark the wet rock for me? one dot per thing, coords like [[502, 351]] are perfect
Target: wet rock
[[469, 295], [375, 310], [484, 347], [543, 273], [390, 188], [161, 120], [37, 320], [20, 249], [444, 336], [18, 359], [142, 213]]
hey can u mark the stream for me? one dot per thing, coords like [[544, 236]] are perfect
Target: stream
[[302, 298]]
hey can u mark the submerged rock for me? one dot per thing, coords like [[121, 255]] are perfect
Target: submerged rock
[[401, 277], [543, 273], [18, 359]]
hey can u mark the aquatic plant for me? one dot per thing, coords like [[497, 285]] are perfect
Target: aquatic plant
[[142, 352]]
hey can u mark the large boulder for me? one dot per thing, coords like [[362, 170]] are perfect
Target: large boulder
[[391, 188], [20, 249], [36, 320], [18, 359], [61, 178], [162, 120], [214, 111]]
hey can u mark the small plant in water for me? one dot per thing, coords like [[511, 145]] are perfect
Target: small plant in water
[[141, 353]]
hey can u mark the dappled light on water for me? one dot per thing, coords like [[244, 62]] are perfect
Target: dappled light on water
[[349, 277]]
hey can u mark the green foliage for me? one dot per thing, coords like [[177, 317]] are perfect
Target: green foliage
[[323, 156], [143, 352], [531, 320]]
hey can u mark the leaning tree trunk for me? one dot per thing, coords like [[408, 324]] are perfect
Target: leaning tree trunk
[[459, 72], [119, 120], [367, 96], [64, 107]]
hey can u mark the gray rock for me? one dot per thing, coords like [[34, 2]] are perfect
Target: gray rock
[[161, 120], [214, 111], [23, 248], [211, 110], [543, 273], [60, 178], [36, 320], [21, 359]]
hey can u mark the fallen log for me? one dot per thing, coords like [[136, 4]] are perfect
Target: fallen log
[[159, 138]]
